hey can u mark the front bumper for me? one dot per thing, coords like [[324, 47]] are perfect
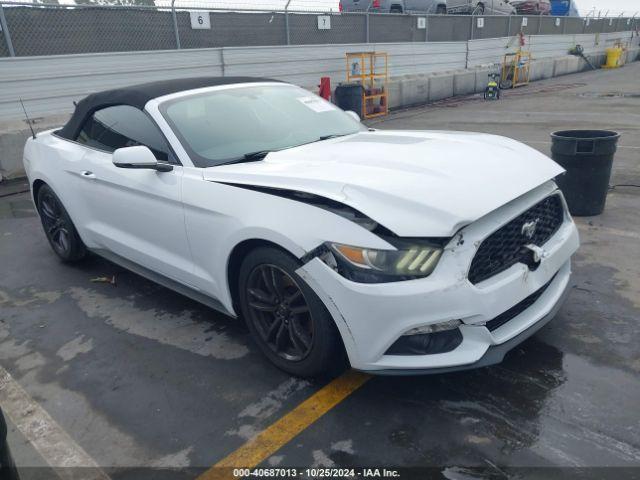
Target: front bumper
[[495, 353], [371, 317]]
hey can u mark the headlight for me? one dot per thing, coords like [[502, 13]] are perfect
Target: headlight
[[366, 265]]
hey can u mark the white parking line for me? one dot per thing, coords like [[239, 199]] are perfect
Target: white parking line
[[49, 439]]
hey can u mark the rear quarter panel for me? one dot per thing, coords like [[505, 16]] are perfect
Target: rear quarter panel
[[58, 162]]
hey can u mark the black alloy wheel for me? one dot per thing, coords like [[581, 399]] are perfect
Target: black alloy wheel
[[54, 224], [58, 227], [286, 318], [280, 312]]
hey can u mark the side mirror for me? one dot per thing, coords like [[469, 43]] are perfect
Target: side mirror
[[353, 115], [139, 157]]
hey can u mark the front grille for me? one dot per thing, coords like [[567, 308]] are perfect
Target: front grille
[[506, 247], [518, 308]]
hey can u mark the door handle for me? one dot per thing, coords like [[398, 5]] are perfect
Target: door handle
[[87, 174]]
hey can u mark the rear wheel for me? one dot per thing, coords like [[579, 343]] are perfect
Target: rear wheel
[[286, 318], [58, 227]]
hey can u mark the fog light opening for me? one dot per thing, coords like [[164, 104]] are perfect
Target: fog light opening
[[417, 342], [433, 328]]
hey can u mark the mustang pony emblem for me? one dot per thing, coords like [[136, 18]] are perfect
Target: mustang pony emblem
[[529, 229]]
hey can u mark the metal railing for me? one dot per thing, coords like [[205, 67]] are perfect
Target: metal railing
[[31, 29]]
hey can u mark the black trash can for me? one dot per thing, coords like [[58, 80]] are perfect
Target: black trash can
[[587, 156], [348, 96]]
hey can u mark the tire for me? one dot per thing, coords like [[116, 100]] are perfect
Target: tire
[[441, 10], [395, 9], [287, 320], [479, 10], [58, 227]]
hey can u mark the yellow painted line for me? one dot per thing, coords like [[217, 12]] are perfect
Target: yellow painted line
[[278, 434]]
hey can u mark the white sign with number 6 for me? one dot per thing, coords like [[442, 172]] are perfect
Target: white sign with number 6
[[200, 20]]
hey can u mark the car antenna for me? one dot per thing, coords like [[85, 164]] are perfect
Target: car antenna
[[28, 119]]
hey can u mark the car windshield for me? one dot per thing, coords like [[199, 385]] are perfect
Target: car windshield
[[241, 123]]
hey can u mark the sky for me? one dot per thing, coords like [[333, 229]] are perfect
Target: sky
[[615, 6], [612, 7]]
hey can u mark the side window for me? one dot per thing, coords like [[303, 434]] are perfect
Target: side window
[[123, 126]]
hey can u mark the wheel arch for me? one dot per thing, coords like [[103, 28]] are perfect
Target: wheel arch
[[37, 184], [237, 254]]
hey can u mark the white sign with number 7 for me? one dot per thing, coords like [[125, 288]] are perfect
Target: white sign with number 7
[[324, 22]]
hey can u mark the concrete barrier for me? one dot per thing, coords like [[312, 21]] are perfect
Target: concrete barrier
[[441, 86], [394, 92], [464, 83], [11, 145], [414, 90], [632, 54], [541, 69], [566, 65], [13, 135], [482, 77]]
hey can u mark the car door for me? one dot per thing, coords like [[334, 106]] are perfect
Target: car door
[[136, 214]]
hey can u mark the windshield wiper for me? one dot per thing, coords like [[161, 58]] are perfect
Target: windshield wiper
[[249, 157], [335, 135]]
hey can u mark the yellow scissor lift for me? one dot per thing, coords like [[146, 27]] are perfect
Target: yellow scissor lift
[[371, 70]]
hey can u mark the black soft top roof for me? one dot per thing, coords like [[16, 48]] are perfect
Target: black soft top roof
[[138, 95]]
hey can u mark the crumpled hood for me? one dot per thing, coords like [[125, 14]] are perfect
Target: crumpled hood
[[416, 184]]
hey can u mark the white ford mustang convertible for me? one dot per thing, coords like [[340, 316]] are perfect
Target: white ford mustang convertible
[[410, 252]]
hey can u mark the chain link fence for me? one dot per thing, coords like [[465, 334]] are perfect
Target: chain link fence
[[30, 29]]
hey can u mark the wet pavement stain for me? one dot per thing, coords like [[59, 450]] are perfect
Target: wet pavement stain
[[18, 208]]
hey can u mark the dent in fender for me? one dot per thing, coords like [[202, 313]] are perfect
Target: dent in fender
[[338, 318]]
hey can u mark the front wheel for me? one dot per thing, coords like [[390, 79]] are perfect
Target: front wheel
[[286, 318], [58, 227]]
